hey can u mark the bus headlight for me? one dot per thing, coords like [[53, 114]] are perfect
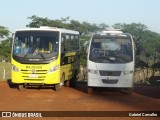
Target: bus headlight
[[15, 69], [93, 71], [127, 72], [53, 69]]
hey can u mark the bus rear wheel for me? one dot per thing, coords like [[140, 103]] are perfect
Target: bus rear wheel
[[73, 80], [67, 83]]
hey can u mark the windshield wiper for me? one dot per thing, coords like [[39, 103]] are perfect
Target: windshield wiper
[[123, 58], [108, 58], [42, 56], [25, 56]]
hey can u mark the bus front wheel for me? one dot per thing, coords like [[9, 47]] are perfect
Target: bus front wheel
[[21, 87], [67, 83], [57, 87], [129, 91]]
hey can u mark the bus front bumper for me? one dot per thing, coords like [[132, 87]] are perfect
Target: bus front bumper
[[50, 78], [99, 81]]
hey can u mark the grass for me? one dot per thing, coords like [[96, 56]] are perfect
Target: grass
[[7, 67]]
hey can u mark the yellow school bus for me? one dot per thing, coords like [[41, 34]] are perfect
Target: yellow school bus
[[45, 56]]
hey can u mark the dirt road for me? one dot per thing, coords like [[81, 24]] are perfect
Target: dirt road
[[144, 98]]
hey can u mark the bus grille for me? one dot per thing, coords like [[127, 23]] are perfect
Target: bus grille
[[110, 73], [109, 81], [40, 73]]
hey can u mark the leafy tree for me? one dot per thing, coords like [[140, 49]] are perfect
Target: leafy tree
[[4, 32], [39, 21], [64, 20], [83, 28], [156, 66], [147, 45], [5, 49], [103, 26]]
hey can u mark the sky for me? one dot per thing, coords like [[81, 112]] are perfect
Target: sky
[[14, 13]]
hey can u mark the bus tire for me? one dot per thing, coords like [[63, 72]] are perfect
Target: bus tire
[[62, 80], [73, 80], [57, 87], [21, 87], [129, 91], [67, 83], [89, 90]]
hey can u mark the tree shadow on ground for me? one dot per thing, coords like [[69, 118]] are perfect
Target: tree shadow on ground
[[145, 90], [37, 87], [148, 91], [82, 86]]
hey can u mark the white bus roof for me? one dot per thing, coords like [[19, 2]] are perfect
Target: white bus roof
[[46, 28], [112, 31]]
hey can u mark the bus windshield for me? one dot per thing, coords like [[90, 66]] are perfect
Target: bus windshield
[[36, 44], [111, 49]]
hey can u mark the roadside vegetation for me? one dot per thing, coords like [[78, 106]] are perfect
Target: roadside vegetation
[[146, 42]]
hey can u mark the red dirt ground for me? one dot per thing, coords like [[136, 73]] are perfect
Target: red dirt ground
[[144, 98]]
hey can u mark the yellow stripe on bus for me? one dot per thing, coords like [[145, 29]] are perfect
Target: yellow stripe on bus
[[70, 54]]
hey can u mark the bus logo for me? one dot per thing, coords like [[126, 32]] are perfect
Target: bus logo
[[33, 71]]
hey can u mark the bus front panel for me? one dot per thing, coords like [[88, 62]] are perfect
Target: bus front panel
[[36, 73], [35, 57], [110, 61], [110, 75]]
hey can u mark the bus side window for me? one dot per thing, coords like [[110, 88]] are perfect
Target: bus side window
[[62, 44], [76, 42], [67, 43]]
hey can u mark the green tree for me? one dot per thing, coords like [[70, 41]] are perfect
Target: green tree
[[147, 44], [64, 20], [83, 28], [4, 32], [5, 49], [5, 52]]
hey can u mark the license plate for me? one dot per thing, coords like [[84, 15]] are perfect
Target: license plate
[[33, 76], [111, 78]]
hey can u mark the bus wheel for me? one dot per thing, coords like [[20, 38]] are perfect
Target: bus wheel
[[129, 91], [62, 80], [73, 80], [90, 90], [57, 87], [21, 87], [67, 83]]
